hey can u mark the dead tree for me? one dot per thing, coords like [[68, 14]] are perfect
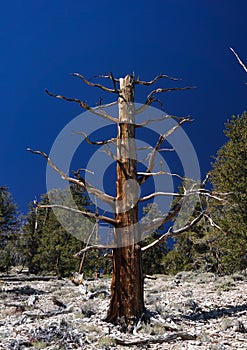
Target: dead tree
[[127, 287]]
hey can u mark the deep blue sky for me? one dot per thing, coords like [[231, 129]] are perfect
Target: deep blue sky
[[42, 42]]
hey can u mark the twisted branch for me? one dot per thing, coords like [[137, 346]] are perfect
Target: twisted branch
[[151, 99], [102, 87], [104, 142], [84, 105], [148, 83]]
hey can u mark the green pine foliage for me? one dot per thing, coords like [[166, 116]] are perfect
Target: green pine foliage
[[229, 175], [9, 228], [152, 258], [48, 247], [221, 249]]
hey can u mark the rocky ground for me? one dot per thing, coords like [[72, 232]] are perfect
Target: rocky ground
[[189, 311]]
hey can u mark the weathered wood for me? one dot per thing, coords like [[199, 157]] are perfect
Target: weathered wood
[[127, 302], [160, 340]]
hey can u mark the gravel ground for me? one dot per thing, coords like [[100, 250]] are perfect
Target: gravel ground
[[189, 311]]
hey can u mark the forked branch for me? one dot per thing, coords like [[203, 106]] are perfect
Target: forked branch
[[102, 87]]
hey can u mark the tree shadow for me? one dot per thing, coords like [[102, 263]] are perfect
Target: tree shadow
[[216, 313]]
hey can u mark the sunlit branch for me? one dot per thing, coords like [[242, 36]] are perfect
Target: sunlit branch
[[173, 233], [161, 172], [166, 149], [84, 105], [85, 213], [151, 99], [155, 194], [83, 169], [80, 182], [94, 247], [105, 105], [161, 139], [189, 193], [102, 87], [103, 142], [212, 223], [157, 120], [148, 83], [239, 60], [110, 76], [156, 223], [114, 81], [109, 153]]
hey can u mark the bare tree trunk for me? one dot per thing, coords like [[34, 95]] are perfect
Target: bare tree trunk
[[127, 301]]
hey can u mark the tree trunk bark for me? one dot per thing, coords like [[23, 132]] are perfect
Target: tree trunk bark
[[127, 300]]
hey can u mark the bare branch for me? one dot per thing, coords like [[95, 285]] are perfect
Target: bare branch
[[105, 105], [160, 90], [80, 181], [212, 223], [109, 153], [151, 99], [148, 83], [155, 194], [239, 60], [94, 247], [86, 213], [173, 233], [162, 172], [161, 139], [102, 87], [152, 120], [110, 76], [156, 223], [159, 120], [151, 82], [104, 142], [152, 340], [114, 83], [83, 169], [84, 105], [199, 191]]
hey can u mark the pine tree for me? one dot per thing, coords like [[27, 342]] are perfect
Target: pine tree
[[220, 245], [8, 227], [229, 174], [152, 258], [47, 246]]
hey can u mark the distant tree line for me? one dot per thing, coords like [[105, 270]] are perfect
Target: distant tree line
[[40, 243]]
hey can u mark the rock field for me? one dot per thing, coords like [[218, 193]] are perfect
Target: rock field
[[188, 311]]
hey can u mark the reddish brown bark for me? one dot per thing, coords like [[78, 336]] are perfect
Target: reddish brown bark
[[127, 301]]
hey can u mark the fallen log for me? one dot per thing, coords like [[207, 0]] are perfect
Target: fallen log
[[50, 313], [160, 340]]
